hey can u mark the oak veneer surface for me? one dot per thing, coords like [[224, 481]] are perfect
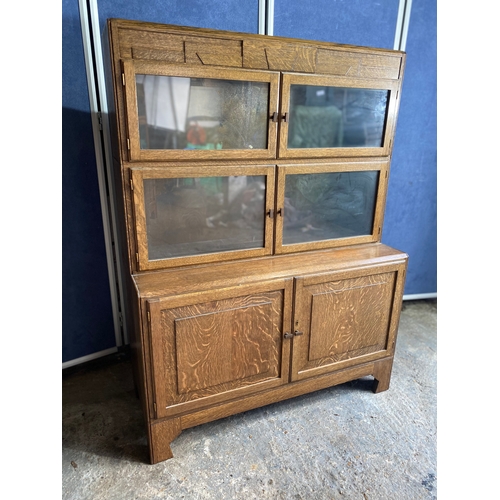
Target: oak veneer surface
[[178, 44], [212, 347], [192, 279]]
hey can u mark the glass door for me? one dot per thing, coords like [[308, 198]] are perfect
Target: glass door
[[324, 116], [192, 113], [329, 205], [192, 215]]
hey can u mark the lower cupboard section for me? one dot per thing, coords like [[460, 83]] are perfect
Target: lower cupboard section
[[281, 332]]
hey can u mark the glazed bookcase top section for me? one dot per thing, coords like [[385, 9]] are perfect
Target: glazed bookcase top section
[[180, 45]]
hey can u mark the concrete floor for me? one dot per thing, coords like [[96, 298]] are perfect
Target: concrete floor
[[339, 443]]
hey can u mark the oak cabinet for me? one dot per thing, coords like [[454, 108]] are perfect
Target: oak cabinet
[[226, 343], [252, 174], [222, 338]]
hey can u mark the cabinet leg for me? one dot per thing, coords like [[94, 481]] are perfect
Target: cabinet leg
[[382, 374], [162, 434]]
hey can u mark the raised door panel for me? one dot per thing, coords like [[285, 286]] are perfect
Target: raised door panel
[[189, 112], [343, 320], [212, 347]]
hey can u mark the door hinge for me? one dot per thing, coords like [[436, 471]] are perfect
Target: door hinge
[[149, 317], [137, 257], [99, 119], [156, 410], [131, 184], [123, 79], [128, 143]]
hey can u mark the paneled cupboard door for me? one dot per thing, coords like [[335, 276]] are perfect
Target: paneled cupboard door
[[215, 346], [196, 113], [344, 319], [327, 116], [329, 205], [192, 215]]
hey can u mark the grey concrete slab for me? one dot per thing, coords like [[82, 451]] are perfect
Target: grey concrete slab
[[339, 443]]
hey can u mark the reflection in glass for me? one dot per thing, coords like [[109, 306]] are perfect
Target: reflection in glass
[[193, 216], [328, 206], [201, 113], [333, 117]]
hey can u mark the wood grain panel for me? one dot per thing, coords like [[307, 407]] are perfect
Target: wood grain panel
[[224, 346], [333, 62], [349, 317], [180, 48], [213, 51], [219, 345], [279, 56], [344, 320], [291, 58], [254, 55], [170, 56], [136, 43]]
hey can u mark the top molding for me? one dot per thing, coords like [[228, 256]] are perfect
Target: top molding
[[200, 46]]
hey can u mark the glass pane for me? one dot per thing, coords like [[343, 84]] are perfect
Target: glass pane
[[333, 117], [192, 216], [327, 206], [201, 113]]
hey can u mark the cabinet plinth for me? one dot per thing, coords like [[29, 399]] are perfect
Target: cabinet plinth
[[253, 174]]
